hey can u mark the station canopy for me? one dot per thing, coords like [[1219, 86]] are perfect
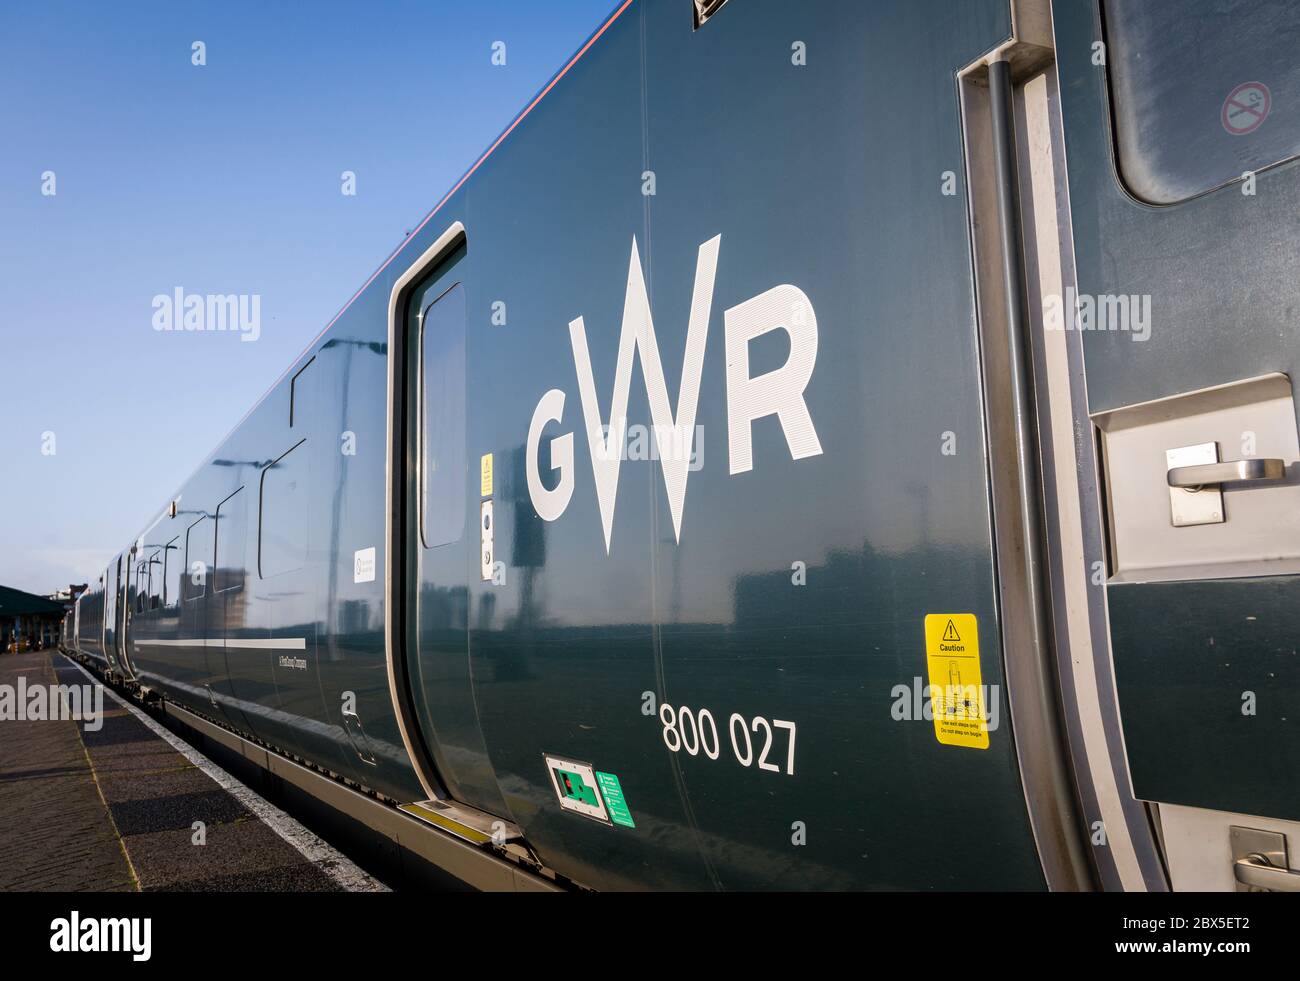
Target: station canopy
[[16, 603]]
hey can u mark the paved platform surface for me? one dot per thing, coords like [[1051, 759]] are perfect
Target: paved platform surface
[[55, 829], [116, 809]]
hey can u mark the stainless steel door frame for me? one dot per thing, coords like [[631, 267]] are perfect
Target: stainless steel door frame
[[1061, 693]]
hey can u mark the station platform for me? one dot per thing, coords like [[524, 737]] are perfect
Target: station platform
[[131, 807]]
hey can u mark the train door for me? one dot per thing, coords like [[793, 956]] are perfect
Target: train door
[[197, 617], [240, 683], [129, 596], [112, 614], [201, 624], [1182, 129], [442, 535], [120, 606]]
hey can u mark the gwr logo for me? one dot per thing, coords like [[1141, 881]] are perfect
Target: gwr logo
[[780, 391]]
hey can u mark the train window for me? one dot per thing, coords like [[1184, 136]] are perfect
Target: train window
[[442, 419], [141, 586], [283, 515], [1202, 92], [155, 572], [198, 558], [300, 396], [232, 536], [704, 9], [173, 563]]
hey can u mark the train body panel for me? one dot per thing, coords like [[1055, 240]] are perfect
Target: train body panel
[[230, 605], [258, 595], [90, 622], [638, 498], [800, 610]]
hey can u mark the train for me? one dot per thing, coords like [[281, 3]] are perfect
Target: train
[[822, 446]]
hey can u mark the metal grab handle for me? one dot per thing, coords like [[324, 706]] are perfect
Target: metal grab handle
[[1204, 474], [1254, 870]]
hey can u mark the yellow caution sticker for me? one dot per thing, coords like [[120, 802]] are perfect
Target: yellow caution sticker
[[485, 475], [952, 652]]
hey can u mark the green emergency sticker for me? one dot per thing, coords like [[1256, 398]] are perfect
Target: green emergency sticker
[[612, 791]]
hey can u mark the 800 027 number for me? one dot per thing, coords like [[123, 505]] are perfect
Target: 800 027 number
[[696, 732]]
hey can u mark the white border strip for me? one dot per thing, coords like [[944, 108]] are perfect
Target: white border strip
[[274, 644], [324, 856]]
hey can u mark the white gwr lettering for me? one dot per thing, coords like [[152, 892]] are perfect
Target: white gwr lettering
[[550, 504], [778, 392]]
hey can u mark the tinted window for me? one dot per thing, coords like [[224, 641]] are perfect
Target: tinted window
[[283, 526], [198, 549], [156, 574], [173, 563], [1202, 91], [300, 396], [232, 534], [442, 419]]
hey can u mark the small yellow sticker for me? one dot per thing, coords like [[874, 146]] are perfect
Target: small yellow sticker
[[952, 651], [485, 475]]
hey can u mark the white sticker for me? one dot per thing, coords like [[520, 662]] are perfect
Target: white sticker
[[363, 565]]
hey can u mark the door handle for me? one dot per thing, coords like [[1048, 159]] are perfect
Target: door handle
[[1254, 870], [1205, 474]]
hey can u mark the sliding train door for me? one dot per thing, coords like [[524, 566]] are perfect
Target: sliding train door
[[125, 599], [1182, 131], [442, 537], [113, 615]]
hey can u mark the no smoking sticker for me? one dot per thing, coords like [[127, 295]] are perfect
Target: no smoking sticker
[[1246, 108], [952, 654]]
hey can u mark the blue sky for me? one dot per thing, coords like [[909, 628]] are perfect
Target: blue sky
[[221, 178]]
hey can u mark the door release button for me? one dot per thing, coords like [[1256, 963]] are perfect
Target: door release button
[[1204, 474]]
